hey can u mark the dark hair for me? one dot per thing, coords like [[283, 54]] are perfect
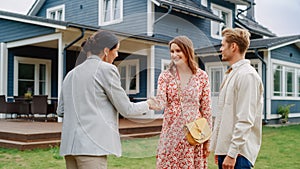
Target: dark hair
[[100, 40], [96, 44], [186, 45]]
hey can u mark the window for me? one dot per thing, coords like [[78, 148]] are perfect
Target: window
[[165, 64], [32, 75], [129, 74], [277, 80], [56, 13], [298, 81], [223, 13], [289, 81], [216, 80], [111, 11], [286, 80]]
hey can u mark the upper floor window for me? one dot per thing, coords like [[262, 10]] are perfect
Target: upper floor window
[[56, 13], [129, 74], [111, 11], [226, 15]]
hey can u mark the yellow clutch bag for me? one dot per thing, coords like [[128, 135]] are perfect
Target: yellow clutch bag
[[198, 131]]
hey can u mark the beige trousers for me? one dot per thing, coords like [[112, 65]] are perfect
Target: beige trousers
[[84, 162]]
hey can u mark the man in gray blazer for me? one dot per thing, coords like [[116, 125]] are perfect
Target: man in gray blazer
[[89, 102]]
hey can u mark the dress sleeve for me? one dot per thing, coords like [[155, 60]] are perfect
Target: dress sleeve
[[205, 99]]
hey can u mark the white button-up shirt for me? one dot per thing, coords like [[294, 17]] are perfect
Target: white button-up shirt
[[238, 124]]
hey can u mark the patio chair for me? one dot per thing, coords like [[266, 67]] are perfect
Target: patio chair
[[39, 105], [24, 105], [9, 107]]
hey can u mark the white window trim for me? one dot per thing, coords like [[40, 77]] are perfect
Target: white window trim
[[257, 61], [126, 63], [36, 62], [164, 62], [56, 8], [284, 64], [101, 22], [204, 3], [229, 19]]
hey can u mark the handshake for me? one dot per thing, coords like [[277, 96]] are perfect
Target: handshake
[[153, 104]]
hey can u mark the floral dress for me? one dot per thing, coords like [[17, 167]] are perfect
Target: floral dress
[[174, 152]]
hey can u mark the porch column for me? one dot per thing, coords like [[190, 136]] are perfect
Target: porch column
[[60, 75], [3, 69], [151, 75]]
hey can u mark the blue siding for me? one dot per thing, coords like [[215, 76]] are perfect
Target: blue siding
[[12, 30], [86, 12], [49, 4], [134, 18], [175, 24], [143, 72], [285, 53], [276, 103]]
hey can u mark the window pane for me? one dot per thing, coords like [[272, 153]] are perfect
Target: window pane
[[122, 70], [117, 9], [24, 86], [216, 74], [52, 15], [277, 76], [107, 10], [59, 15], [298, 77], [132, 85], [26, 71], [26, 78], [42, 88], [289, 82], [42, 72]]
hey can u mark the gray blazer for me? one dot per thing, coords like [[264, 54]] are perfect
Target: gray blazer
[[89, 102]]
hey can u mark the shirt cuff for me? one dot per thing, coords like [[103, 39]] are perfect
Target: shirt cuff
[[233, 152]]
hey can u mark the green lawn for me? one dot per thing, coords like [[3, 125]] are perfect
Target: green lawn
[[280, 149]]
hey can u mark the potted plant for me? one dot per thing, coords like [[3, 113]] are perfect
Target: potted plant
[[284, 111]]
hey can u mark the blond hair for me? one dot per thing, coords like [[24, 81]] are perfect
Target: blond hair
[[239, 36]]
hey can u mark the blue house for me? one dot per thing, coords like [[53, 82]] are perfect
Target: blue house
[[38, 49]]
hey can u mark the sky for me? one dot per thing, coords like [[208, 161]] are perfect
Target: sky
[[279, 16]]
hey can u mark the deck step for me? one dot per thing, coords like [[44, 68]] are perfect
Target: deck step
[[20, 145], [139, 135]]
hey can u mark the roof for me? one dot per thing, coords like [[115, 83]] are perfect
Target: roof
[[253, 26], [191, 7], [36, 7], [259, 44], [64, 25], [240, 2]]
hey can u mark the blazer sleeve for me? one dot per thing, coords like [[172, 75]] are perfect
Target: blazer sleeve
[[60, 107], [110, 80]]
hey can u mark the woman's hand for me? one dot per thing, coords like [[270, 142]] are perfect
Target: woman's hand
[[206, 151], [153, 105]]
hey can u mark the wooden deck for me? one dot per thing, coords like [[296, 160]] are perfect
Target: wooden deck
[[26, 134]]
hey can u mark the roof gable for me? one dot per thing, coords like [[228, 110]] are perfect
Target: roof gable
[[35, 8], [189, 7]]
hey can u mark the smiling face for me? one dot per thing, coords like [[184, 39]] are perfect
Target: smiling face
[[177, 55]]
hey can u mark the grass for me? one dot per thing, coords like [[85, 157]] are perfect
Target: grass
[[280, 149]]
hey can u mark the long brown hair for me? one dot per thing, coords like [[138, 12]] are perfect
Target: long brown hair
[[187, 47]]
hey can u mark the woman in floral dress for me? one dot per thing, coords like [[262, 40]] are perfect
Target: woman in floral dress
[[184, 92]]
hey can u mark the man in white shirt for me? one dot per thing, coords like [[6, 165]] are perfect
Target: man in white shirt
[[237, 132]]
